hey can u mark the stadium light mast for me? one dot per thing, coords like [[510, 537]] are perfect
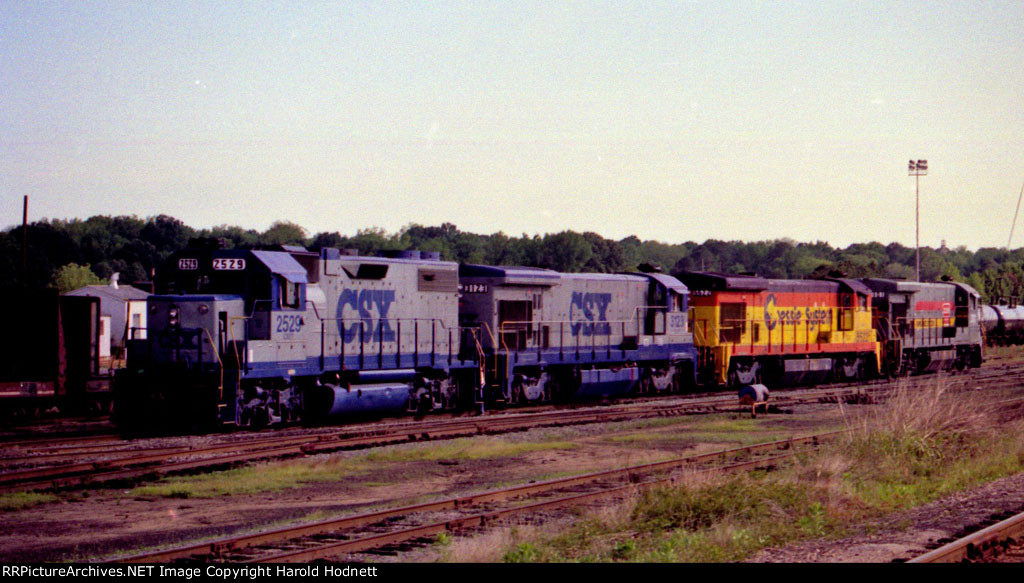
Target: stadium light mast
[[917, 169]]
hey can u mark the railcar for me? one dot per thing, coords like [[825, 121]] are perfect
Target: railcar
[[1003, 324], [55, 364], [926, 327], [546, 336], [256, 337], [754, 330]]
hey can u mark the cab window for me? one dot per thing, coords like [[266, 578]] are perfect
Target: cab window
[[289, 293]]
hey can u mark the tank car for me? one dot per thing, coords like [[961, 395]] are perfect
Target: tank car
[[1003, 324], [547, 336], [752, 330], [925, 327], [253, 337]]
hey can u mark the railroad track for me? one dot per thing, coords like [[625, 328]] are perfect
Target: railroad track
[[160, 461], [1001, 542], [372, 530]]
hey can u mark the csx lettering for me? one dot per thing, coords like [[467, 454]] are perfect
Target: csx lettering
[[367, 303], [582, 313]]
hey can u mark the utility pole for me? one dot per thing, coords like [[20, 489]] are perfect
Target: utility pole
[[24, 240]]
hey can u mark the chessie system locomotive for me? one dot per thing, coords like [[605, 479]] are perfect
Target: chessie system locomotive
[[255, 337]]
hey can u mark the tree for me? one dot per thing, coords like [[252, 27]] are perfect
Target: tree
[[234, 237], [567, 251], [167, 234], [73, 276], [327, 240], [284, 233], [608, 256]]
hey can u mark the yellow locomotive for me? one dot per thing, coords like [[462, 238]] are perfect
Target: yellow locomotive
[[750, 329]]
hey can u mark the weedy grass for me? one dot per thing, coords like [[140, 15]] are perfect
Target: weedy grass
[[924, 444], [290, 474], [254, 479], [729, 429], [916, 447], [466, 449], [22, 500]]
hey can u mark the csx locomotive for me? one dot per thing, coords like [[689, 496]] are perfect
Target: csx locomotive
[[255, 337]]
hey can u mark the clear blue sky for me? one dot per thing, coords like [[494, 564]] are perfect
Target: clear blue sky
[[672, 121]]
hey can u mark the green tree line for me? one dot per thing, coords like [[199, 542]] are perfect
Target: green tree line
[[69, 253]]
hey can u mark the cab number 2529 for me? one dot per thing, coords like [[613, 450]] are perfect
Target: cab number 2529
[[289, 323]]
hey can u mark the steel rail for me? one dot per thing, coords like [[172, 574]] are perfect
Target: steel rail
[[220, 546], [283, 446], [141, 466], [485, 518], [975, 545], [107, 470], [971, 547]]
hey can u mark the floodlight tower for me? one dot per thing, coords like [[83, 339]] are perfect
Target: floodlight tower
[[917, 170]]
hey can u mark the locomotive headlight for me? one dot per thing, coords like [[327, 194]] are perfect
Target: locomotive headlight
[[172, 316]]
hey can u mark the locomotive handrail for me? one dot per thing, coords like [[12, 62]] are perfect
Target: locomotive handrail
[[514, 325], [234, 341], [407, 319], [220, 365]]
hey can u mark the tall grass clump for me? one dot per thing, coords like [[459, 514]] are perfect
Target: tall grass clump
[[926, 441]]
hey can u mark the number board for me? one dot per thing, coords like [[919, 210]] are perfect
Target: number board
[[473, 288], [188, 264], [228, 264]]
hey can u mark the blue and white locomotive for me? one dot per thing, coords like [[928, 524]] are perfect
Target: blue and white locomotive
[[256, 337], [555, 336]]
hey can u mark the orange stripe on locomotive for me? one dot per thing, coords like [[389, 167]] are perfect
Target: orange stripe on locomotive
[[762, 326]]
